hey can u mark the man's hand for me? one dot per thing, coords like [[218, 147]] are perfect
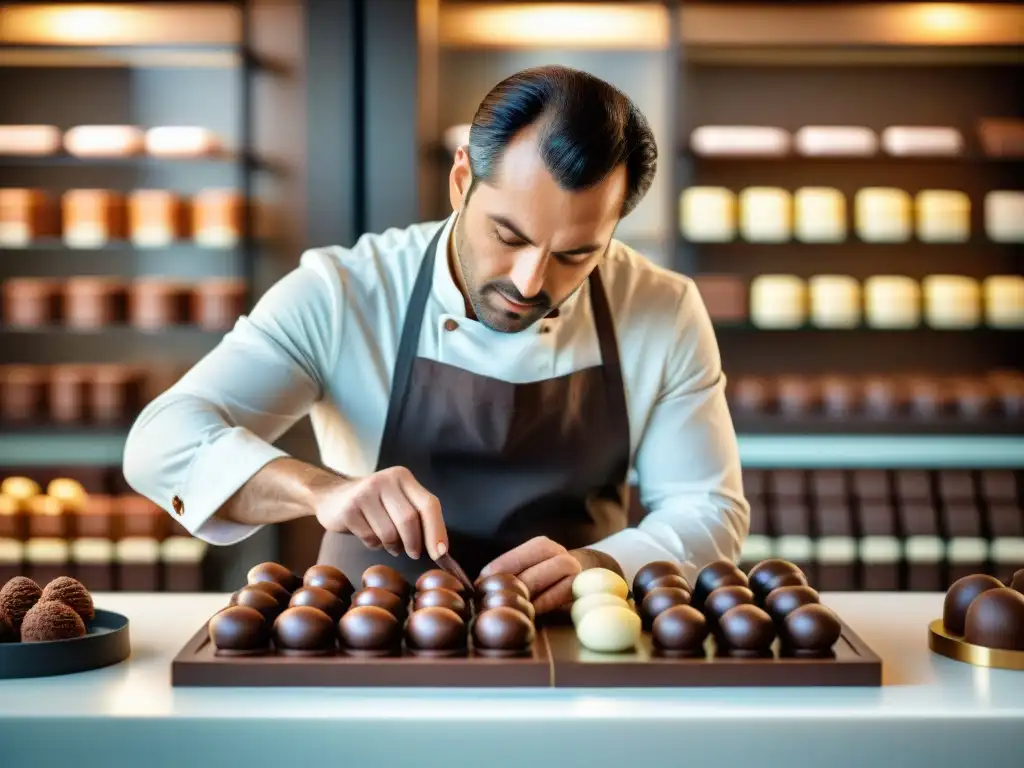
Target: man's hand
[[388, 508], [547, 568]]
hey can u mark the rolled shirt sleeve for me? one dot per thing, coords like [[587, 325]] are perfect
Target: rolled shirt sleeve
[[687, 461], [196, 444]]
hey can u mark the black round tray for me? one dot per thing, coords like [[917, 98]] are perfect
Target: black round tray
[[106, 642]]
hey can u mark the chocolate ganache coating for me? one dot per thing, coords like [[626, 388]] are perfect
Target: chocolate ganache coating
[[725, 598], [769, 575], [435, 631], [660, 599], [679, 631], [240, 631], [995, 620], [381, 598], [17, 598], [502, 631], [1017, 581], [72, 593], [438, 579], [259, 600], [387, 578], [274, 572], [959, 598], [651, 572], [721, 573], [497, 582], [505, 597], [782, 601], [811, 630], [50, 620], [304, 631], [671, 580], [369, 630], [330, 578], [746, 630], [275, 590], [316, 597], [440, 597]]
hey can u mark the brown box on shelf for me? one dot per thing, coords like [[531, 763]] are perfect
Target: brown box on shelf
[[217, 304], [68, 394], [26, 215], [928, 397], [93, 558], [998, 485], [840, 396], [91, 218], [1008, 389], [754, 482], [182, 557], [31, 302], [758, 544], [828, 484], [914, 485], [751, 394], [156, 303], [791, 525], [138, 564], [923, 547], [46, 518], [98, 518], [972, 398], [882, 397], [797, 395], [1001, 137], [955, 486], [218, 218], [93, 302], [12, 553], [114, 394], [46, 559], [156, 217], [22, 393], [1006, 526], [725, 296], [141, 518], [787, 483], [880, 549], [871, 484], [836, 546], [12, 519], [967, 549]]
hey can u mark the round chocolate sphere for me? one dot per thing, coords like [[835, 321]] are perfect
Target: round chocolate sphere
[[330, 578], [505, 597], [381, 598], [442, 598], [1017, 581], [670, 581], [725, 598], [959, 598], [769, 575], [304, 631], [435, 631], [50, 620], [275, 590], [258, 599], [994, 620], [72, 593], [368, 630], [746, 630], [721, 573], [240, 631], [17, 597], [651, 572], [660, 599], [502, 631], [782, 601], [315, 597], [811, 630], [498, 582], [438, 579], [276, 573], [679, 631], [386, 577]]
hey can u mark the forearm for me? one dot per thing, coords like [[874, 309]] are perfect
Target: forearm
[[285, 489]]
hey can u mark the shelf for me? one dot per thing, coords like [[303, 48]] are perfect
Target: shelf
[[118, 246], [64, 159], [111, 330], [116, 56], [774, 424], [974, 242], [729, 325], [875, 159], [95, 448]]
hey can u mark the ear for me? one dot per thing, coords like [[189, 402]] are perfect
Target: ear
[[459, 178]]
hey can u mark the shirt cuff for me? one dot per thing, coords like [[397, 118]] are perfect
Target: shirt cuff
[[632, 550], [218, 470]]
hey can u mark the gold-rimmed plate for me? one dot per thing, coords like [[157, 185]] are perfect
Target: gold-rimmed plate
[[958, 649]]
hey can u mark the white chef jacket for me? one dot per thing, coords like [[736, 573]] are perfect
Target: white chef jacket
[[324, 339]]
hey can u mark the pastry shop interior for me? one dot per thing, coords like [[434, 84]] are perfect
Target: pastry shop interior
[[843, 181]]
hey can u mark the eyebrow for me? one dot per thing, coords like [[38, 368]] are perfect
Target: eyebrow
[[507, 224]]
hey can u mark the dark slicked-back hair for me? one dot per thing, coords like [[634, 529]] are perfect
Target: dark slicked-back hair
[[587, 129]]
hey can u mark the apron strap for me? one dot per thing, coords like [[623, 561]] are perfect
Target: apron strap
[[604, 324]]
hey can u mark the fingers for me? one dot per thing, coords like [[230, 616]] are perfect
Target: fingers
[[435, 533], [405, 519], [356, 524], [377, 517], [525, 556], [550, 572], [557, 596]]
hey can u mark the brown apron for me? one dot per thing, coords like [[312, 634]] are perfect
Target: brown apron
[[507, 461]]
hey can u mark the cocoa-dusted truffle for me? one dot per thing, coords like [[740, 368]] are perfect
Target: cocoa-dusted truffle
[[725, 598], [51, 620], [671, 581], [276, 573], [651, 572], [782, 601], [442, 598], [1017, 581], [330, 578], [386, 577], [994, 620], [501, 581], [304, 631], [746, 630], [240, 631], [502, 631], [368, 630], [275, 590], [660, 599], [772, 574], [959, 598], [435, 631], [438, 579], [7, 633], [721, 573], [73, 594], [504, 597], [259, 600], [679, 631], [17, 597], [381, 598], [316, 597], [811, 630]]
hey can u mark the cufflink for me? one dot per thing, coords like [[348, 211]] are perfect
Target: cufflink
[[179, 506]]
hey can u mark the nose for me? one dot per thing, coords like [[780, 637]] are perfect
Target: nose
[[528, 272]]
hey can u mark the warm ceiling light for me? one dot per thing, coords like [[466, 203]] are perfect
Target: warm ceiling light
[[946, 18], [85, 24]]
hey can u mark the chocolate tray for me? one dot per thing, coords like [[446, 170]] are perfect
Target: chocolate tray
[[106, 643]]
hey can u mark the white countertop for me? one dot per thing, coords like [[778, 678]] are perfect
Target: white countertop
[[929, 708]]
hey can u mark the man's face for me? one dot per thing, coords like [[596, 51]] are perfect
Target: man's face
[[523, 245]]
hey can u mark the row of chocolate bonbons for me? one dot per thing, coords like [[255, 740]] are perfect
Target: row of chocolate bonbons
[[87, 303], [710, 214], [97, 141], [149, 218]]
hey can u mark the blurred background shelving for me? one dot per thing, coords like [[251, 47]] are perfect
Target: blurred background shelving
[[340, 117]]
